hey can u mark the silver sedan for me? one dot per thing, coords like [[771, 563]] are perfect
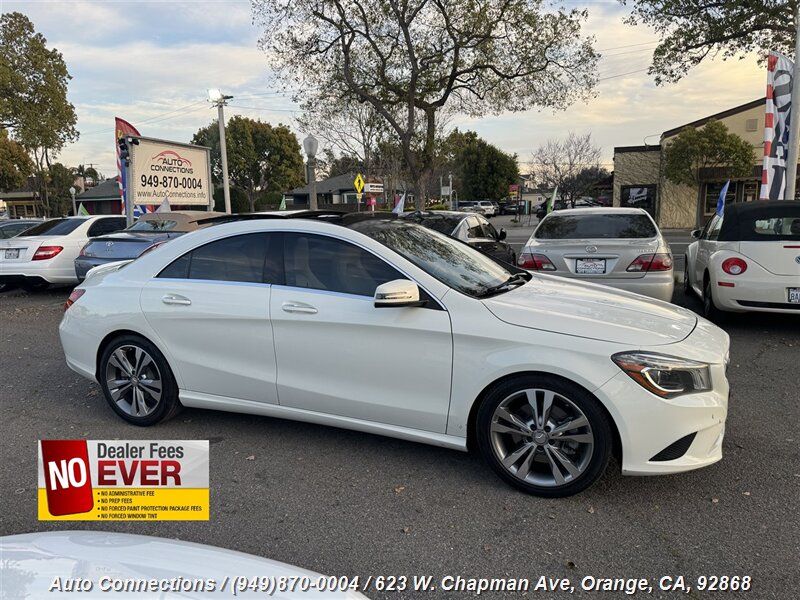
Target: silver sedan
[[618, 247]]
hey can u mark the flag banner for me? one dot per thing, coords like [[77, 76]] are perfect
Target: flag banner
[[776, 126], [123, 480], [721, 200], [121, 129]]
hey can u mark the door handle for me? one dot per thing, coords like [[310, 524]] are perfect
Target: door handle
[[298, 307], [176, 299]]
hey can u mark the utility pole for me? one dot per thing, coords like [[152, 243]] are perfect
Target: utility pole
[[310, 145], [451, 191], [220, 100], [794, 116]]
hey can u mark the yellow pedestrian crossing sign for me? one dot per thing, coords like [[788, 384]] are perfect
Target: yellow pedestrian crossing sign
[[358, 183]]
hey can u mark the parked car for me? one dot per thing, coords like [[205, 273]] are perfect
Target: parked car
[[489, 207], [545, 376], [45, 254], [32, 562], [620, 247], [471, 206], [150, 229], [747, 260], [14, 227], [475, 230], [10, 229]]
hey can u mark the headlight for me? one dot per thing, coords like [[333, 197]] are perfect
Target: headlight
[[665, 376]]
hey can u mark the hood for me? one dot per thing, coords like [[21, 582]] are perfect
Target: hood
[[592, 311]]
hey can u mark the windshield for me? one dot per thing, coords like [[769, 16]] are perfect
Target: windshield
[[595, 226], [55, 227], [455, 264], [154, 225]]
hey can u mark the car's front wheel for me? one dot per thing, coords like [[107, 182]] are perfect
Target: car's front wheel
[[137, 381], [544, 435]]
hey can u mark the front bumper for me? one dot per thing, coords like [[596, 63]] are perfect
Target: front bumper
[[649, 425]]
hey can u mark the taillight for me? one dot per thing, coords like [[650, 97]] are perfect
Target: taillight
[[651, 262], [73, 297], [46, 252], [535, 262], [734, 266]]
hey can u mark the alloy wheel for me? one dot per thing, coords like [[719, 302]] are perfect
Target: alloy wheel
[[133, 380], [541, 437]]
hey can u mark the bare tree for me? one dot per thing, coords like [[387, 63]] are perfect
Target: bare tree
[[572, 164], [409, 59]]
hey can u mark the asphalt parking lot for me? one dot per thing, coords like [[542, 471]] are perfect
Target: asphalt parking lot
[[347, 503]]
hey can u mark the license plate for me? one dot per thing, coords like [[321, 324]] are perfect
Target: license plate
[[794, 295], [12, 253], [590, 266]]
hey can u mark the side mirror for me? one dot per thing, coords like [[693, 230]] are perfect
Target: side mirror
[[396, 294], [501, 235], [696, 233]]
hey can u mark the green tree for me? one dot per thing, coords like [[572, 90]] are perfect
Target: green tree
[[413, 61], [15, 164], [262, 158], [33, 89], [60, 179], [694, 149], [480, 170], [693, 30]]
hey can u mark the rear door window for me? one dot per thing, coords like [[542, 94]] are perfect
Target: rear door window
[[248, 258], [596, 226], [56, 227]]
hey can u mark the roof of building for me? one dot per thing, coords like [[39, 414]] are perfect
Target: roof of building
[[105, 190], [720, 115], [329, 185], [623, 149]]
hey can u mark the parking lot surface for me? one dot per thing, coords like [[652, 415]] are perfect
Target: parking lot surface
[[347, 503]]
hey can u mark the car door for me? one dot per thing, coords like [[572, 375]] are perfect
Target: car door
[[210, 309], [705, 248], [339, 354]]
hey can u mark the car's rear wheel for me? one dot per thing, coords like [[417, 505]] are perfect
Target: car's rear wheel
[[544, 435], [687, 284], [137, 381], [710, 310]]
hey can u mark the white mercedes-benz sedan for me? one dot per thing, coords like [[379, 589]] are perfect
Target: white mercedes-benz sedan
[[387, 327]]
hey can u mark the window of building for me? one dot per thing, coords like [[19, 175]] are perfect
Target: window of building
[[639, 196], [712, 192]]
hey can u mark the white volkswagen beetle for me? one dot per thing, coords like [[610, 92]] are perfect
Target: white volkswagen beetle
[[387, 327], [747, 260]]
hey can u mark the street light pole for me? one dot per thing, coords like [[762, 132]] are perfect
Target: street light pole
[[72, 191], [220, 100], [310, 145]]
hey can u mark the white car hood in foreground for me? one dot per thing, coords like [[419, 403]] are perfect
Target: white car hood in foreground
[[592, 311], [30, 562]]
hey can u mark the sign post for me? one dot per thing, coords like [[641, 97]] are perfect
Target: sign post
[[358, 184]]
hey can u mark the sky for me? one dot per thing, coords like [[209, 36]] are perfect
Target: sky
[[151, 62]]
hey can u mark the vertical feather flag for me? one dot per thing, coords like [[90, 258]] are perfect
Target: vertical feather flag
[[721, 201]]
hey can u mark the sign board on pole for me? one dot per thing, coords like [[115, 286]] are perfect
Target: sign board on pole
[[161, 169], [358, 184], [373, 188], [445, 190]]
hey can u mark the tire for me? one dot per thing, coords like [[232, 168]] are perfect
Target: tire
[[710, 310], [539, 470], [687, 284], [150, 373]]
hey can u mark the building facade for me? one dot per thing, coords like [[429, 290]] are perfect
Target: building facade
[[639, 180]]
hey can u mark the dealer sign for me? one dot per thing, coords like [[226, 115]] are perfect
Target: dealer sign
[[178, 172]]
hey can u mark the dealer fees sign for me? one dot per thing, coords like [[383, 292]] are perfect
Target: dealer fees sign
[[108, 480], [178, 172]]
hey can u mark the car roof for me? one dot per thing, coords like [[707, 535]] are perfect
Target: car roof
[[599, 210]]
